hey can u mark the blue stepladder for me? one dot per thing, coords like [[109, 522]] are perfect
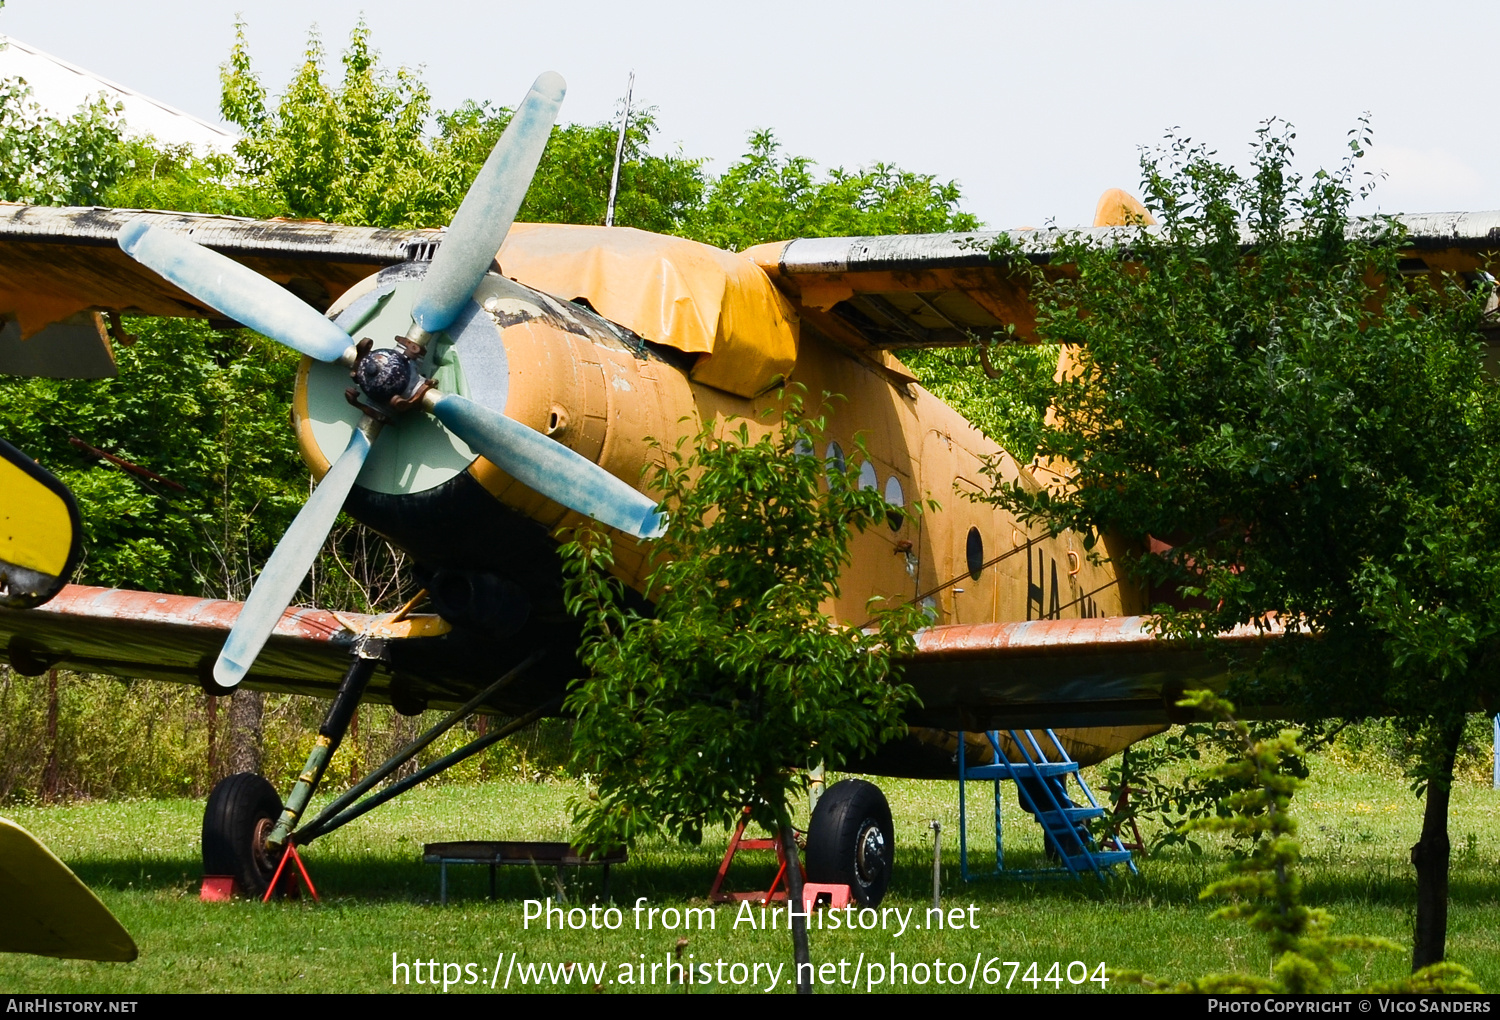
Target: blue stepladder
[[1041, 777]]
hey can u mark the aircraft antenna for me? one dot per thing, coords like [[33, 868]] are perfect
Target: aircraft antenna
[[614, 177]]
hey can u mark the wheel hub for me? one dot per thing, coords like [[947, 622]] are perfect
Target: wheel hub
[[258, 848], [870, 854]]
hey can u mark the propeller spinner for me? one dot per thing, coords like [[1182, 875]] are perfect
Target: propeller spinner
[[391, 380]]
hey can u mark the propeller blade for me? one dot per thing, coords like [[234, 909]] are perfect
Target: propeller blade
[[488, 209], [240, 293], [547, 466], [291, 561]]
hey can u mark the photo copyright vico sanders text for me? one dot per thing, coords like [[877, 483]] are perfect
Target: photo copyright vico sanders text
[[1353, 1004]]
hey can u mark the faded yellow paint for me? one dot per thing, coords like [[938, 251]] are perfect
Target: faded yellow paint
[[1118, 208], [312, 455], [691, 296], [581, 386], [36, 530], [48, 911], [607, 404], [417, 625]]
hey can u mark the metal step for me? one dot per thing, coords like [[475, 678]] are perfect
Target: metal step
[[1041, 775], [1104, 858], [1008, 770], [1051, 818]]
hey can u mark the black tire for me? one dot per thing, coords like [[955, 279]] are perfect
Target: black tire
[[851, 841], [241, 811]]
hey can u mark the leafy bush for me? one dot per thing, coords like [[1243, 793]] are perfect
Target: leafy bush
[[114, 739], [1263, 885], [738, 678]]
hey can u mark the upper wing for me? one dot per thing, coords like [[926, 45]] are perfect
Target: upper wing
[[60, 267], [931, 290], [869, 293], [55, 262]]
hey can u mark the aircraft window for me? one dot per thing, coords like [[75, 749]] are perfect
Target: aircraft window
[[835, 460], [896, 498], [867, 477], [975, 553]]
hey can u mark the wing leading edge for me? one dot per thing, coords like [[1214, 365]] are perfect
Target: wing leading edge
[[943, 290], [58, 262]]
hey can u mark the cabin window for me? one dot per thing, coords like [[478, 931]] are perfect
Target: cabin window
[[897, 499], [836, 464], [974, 551]]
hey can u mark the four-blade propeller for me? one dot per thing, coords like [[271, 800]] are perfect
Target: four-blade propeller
[[392, 378]]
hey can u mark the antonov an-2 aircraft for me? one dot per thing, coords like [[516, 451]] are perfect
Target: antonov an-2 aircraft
[[496, 398]]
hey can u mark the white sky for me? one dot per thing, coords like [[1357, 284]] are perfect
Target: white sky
[[1034, 108]]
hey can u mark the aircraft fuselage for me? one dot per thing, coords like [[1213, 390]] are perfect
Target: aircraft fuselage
[[594, 386]]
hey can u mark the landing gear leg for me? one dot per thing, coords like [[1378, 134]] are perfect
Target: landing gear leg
[[367, 655], [245, 825]]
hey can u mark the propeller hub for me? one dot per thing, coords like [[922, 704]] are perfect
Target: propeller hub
[[386, 374]]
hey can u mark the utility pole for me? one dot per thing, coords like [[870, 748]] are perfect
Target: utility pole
[[614, 177]]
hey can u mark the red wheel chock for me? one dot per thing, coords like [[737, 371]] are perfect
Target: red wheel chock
[[217, 889], [839, 895]]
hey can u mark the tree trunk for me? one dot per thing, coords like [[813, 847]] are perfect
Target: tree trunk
[[353, 755], [211, 710], [801, 956], [246, 723], [1430, 857], [50, 775], [403, 732]]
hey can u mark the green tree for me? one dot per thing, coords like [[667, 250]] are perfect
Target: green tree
[[360, 152], [355, 154], [738, 678], [1312, 432], [177, 178], [46, 160], [1263, 884], [767, 196], [203, 408], [1002, 389], [737, 681]]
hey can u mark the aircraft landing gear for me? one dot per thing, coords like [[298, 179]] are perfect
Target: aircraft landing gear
[[245, 824], [851, 841], [241, 811], [246, 828]]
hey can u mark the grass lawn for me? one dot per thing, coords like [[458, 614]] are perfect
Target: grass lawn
[[379, 900]]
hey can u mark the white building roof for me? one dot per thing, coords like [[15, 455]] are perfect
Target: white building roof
[[60, 88]]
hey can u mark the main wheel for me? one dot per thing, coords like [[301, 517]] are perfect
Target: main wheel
[[851, 841], [241, 811]]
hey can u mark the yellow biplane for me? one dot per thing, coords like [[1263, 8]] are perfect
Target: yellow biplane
[[505, 381]]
